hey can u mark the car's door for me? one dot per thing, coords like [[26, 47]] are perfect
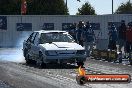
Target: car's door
[[27, 42], [35, 47], [31, 50]]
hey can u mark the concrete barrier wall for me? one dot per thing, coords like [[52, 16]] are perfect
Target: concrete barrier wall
[[11, 37]]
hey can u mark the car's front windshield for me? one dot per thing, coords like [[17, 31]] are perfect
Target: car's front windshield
[[55, 37]]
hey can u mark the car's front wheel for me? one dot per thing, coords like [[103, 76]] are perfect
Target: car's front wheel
[[80, 64], [40, 62]]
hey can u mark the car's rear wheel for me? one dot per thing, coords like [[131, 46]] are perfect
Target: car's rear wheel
[[28, 60], [25, 52], [39, 62]]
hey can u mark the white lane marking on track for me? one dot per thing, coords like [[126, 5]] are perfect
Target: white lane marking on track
[[73, 74], [94, 72], [90, 71], [124, 64]]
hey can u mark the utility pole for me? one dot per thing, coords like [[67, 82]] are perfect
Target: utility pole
[[112, 7], [66, 5]]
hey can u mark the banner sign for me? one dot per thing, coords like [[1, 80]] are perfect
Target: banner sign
[[95, 26], [66, 26], [3, 23], [83, 77], [24, 26], [48, 26], [117, 25]]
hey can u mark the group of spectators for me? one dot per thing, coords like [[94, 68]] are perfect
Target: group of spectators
[[84, 35], [121, 37]]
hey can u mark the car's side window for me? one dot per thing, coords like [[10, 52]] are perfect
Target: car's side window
[[33, 37], [29, 39], [40, 39], [36, 39]]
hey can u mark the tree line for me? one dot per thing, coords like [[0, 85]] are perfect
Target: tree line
[[53, 7], [34, 7]]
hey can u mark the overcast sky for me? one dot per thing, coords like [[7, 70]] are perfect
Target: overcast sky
[[101, 6]]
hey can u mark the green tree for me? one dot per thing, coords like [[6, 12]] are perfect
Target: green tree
[[4, 7], [124, 8], [10, 7], [86, 9], [34, 7], [47, 7]]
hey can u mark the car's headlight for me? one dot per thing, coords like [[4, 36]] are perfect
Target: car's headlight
[[80, 52], [50, 53]]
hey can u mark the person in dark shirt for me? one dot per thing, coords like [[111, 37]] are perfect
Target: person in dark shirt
[[129, 42], [112, 38], [129, 38], [79, 32], [122, 35], [72, 30], [89, 38]]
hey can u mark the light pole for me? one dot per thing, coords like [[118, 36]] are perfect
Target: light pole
[[112, 7], [66, 5]]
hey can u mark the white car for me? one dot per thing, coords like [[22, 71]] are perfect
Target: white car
[[52, 47]]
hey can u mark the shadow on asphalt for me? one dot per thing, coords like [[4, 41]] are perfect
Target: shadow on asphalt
[[53, 66]]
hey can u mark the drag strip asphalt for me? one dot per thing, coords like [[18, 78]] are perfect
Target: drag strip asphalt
[[14, 74]]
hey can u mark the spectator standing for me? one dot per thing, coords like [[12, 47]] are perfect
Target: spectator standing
[[112, 38], [122, 35], [79, 33], [129, 41], [89, 38], [72, 31]]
